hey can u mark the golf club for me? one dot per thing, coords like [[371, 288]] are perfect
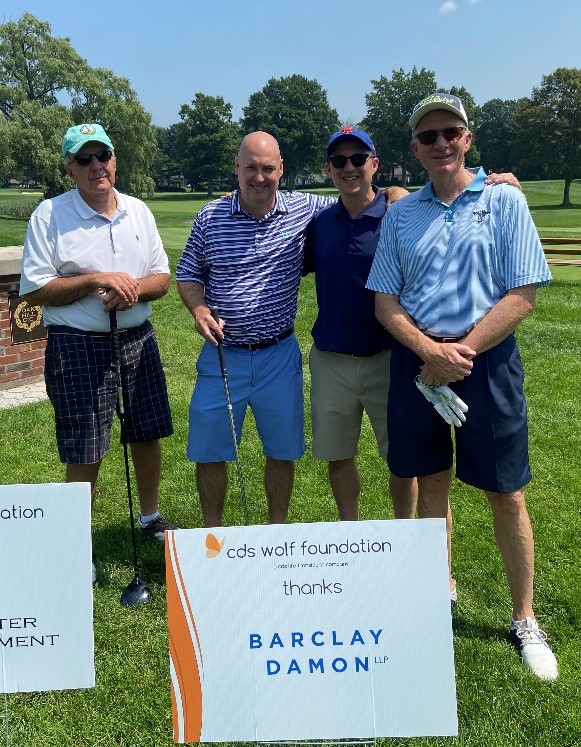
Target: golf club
[[222, 359], [136, 592]]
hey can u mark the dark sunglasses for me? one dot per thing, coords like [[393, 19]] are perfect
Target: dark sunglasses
[[103, 156], [357, 159], [451, 134]]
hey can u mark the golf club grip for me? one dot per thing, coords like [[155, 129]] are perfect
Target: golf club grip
[[117, 361], [216, 316]]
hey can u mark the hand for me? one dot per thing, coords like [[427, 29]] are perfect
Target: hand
[[446, 361], [118, 290], [207, 326], [445, 402], [503, 178]]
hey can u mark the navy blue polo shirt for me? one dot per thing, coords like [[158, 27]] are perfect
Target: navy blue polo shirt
[[340, 250]]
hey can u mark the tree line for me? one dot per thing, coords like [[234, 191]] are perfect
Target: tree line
[[45, 86]]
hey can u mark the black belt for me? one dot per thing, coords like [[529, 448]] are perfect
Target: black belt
[[444, 339], [366, 355], [263, 343], [88, 332]]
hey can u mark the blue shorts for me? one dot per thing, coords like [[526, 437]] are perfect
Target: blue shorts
[[268, 381], [491, 446]]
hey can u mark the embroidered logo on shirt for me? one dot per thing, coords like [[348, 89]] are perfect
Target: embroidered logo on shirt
[[481, 215]]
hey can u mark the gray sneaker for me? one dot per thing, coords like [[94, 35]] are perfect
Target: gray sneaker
[[155, 529], [531, 642]]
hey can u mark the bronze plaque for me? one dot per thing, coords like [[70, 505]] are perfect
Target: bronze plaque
[[25, 321]]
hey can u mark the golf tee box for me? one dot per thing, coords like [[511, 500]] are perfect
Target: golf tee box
[[302, 632], [46, 597]]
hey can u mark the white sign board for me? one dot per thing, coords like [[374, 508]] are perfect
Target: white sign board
[[46, 597], [310, 631]]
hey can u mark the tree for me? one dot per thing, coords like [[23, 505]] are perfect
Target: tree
[[208, 138], [296, 111], [389, 107], [168, 167], [474, 114], [37, 73], [495, 134], [548, 126]]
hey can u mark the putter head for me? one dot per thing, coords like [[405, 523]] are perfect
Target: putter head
[[135, 593]]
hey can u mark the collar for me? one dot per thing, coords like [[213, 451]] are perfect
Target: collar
[[86, 212], [476, 185], [375, 209], [280, 205]]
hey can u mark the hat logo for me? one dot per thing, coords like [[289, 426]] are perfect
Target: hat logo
[[347, 130], [87, 130]]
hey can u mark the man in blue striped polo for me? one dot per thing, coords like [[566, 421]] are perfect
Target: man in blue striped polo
[[244, 256], [456, 270]]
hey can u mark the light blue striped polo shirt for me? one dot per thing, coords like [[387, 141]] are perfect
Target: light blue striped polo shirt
[[450, 265], [250, 267]]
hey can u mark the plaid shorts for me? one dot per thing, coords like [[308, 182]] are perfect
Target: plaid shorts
[[81, 382]]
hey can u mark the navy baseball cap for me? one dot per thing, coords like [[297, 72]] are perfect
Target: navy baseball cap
[[435, 101], [354, 134]]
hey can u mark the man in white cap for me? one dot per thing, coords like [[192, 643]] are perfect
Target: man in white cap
[[456, 270], [87, 252]]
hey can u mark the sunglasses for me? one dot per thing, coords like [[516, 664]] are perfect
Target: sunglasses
[[451, 134], [357, 159], [103, 156]]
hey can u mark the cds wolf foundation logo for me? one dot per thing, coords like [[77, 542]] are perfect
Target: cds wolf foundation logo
[[213, 546]]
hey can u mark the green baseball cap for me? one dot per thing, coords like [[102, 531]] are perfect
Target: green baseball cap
[[76, 136]]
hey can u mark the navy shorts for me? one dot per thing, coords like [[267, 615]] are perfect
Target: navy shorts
[[491, 446], [81, 382]]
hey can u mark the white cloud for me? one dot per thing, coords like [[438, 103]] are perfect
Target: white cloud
[[473, 2], [448, 7]]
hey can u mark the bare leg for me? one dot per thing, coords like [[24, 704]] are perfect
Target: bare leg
[[514, 538], [212, 483], [404, 496], [433, 502], [84, 473], [346, 486], [278, 482], [146, 458]]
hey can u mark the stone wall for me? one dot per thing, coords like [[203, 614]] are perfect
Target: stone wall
[[23, 362]]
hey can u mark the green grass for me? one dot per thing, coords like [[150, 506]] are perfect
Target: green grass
[[499, 703]]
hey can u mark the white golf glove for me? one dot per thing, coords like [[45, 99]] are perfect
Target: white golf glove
[[446, 403]]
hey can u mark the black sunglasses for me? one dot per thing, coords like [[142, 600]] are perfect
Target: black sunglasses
[[103, 156], [357, 159], [451, 134]]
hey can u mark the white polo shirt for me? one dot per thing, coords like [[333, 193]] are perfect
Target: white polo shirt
[[66, 237]]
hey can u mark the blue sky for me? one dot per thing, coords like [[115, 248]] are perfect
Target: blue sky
[[169, 51]]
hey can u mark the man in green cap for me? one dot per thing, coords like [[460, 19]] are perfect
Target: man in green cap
[[87, 252]]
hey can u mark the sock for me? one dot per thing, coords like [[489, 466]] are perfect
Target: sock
[[148, 517]]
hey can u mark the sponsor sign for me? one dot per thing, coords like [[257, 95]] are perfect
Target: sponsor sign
[[46, 598], [310, 631]]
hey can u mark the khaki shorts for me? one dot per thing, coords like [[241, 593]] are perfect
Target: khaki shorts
[[342, 388]]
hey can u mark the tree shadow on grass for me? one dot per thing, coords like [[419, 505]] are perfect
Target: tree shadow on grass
[[573, 206]]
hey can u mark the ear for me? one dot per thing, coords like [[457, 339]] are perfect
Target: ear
[[414, 145], [375, 163], [468, 142], [281, 167]]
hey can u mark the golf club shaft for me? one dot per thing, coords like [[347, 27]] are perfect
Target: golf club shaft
[[121, 414], [223, 370]]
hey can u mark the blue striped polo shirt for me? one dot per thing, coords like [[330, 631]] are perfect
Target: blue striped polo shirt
[[450, 264], [250, 267]]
